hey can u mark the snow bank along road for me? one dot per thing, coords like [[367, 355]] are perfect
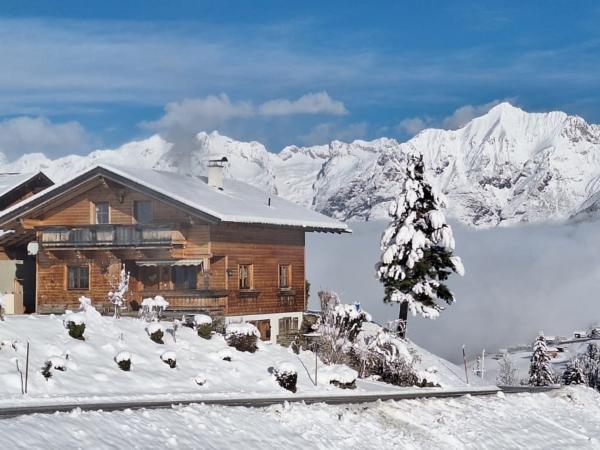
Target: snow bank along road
[[7, 412], [567, 418]]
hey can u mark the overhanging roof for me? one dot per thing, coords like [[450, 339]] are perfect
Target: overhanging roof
[[237, 203]]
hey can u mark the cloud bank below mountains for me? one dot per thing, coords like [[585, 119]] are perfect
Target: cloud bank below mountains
[[519, 281]]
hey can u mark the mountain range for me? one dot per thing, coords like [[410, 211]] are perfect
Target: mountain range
[[503, 168]]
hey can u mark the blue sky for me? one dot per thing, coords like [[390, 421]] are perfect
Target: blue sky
[[81, 75]]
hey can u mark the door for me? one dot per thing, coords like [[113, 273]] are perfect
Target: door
[[264, 326], [18, 291]]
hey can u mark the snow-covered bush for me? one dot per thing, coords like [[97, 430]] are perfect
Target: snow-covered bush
[[339, 327], [156, 332], [417, 248], [508, 374], [169, 358], [540, 372], [117, 295], [200, 379], [203, 324], [386, 356], [225, 355], [51, 364], [573, 374], [75, 323], [123, 360], [342, 377], [152, 308], [286, 375], [242, 336]]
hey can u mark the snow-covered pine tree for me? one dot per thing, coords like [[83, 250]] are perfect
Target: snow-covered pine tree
[[117, 297], [573, 374], [417, 249], [540, 372]]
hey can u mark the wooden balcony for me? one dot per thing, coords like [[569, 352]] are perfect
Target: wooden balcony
[[108, 236], [192, 300]]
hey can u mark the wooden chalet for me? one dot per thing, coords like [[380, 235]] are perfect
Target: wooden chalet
[[203, 243]]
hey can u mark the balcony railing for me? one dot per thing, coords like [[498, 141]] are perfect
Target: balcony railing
[[109, 236]]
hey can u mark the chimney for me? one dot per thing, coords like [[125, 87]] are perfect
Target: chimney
[[216, 168]]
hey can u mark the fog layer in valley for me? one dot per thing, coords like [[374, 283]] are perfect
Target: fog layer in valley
[[518, 281]]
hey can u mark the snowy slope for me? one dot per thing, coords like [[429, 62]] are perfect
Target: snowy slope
[[505, 167], [566, 419]]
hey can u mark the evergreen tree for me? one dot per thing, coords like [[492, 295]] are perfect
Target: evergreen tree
[[590, 362], [417, 249], [573, 374], [540, 372]]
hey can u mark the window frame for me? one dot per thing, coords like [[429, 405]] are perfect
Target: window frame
[[77, 281], [288, 325], [288, 286], [249, 285], [135, 210], [107, 213], [186, 270]]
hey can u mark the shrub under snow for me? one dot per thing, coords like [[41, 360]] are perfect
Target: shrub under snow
[[53, 363], [170, 358], [152, 308], [75, 323], [200, 379], [242, 336], [225, 355], [286, 375], [340, 376], [123, 360], [203, 324], [156, 333]]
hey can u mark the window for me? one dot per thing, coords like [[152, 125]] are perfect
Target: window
[[102, 212], [245, 276], [184, 277], [78, 277], [149, 277], [288, 325], [285, 276], [142, 212]]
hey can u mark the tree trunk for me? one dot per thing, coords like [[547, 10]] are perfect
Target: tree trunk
[[403, 316]]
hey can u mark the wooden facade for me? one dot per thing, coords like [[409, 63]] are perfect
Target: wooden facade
[[193, 263]]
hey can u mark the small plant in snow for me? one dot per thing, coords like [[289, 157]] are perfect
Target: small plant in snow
[[343, 377], [117, 296], [540, 372], [152, 308], [75, 323], [200, 379], [156, 332], [286, 375], [225, 355], [123, 360], [573, 374], [169, 358], [508, 374], [203, 324], [242, 336], [51, 364], [417, 247]]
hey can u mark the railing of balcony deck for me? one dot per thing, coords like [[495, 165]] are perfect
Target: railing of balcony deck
[[108, 235]]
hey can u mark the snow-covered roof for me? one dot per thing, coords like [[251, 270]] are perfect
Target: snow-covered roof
[[238, 202], [10, 181]]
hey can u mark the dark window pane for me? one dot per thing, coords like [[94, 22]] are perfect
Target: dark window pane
[[78, 277], [102, 212], [142, 212], [184, 277]]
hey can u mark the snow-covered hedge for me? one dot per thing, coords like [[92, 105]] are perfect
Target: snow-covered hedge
[[156, 332], [340, 376], [169, 357], [123, 360], [286, 375], [203, 324], [242, 336], [75, 323]]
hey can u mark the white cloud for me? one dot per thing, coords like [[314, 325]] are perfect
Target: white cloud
[[200, 114], [24, 134], [326, 132], [413, 125], [313, 103]]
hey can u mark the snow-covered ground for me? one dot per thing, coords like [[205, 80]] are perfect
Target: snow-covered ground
[[565, 419], [92, 373]]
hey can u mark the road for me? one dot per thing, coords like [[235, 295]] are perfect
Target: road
[[259, 402]]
